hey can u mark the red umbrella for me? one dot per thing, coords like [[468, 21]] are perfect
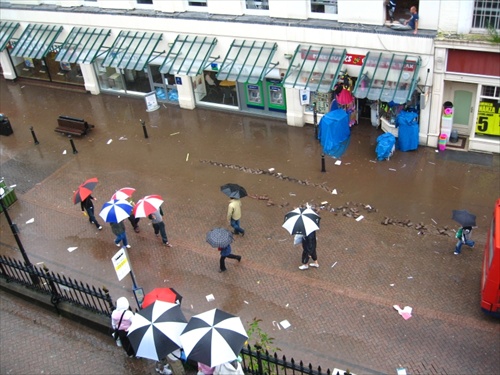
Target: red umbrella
[[84, 190], [123, 193], [161, 294], [147, 205]]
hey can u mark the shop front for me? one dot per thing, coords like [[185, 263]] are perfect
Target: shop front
[[7, 30], [124, 69]]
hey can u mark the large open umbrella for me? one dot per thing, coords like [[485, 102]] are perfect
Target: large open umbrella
[[301, 221], [464, 218], [155, 330], [123, 193], [219, 237], [147, 205], [84, 190], [213, 337], [161, 294], [234, 191], [115, 211]]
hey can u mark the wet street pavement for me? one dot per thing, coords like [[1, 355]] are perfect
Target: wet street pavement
[[341, 314]]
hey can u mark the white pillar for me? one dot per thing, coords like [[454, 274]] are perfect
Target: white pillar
[[9, 72], [90, 79], [294, 110], [185, 91]]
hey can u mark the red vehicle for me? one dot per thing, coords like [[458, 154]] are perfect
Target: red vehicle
[[490, 282]]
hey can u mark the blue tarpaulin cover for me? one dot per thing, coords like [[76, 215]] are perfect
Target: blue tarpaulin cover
[[407, 123], [334, 133], [385, 146]]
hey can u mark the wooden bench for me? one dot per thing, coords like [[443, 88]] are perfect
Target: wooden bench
[[72, 126]]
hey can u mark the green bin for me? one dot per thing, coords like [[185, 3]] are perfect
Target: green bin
[[9, 196]]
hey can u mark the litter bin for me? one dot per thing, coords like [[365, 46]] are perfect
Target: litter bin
[[5, 127], [447, 109], [9, 195]]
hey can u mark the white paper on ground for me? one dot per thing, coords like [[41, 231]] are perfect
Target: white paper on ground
[[401, 371], [360, 218], [110, 141], [71, 249], [338, 162], [64, 152], [334, 191], [32, 220], [210, 297], [285, 324]]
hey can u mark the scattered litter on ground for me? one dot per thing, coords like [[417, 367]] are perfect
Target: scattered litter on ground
[[434, 221], [373, 161], [191, 307], [276, 324], [402, 370], [123, 139], [436, 151], [171, 134], [410, 277], [287, 305], [258, 281], [245, 302], [39, 263], [404, 165], [405, 313], [430, 162], [292, 194], [64, 152], [71, 249], [32, 220], [210, 297], [392, 169], [109, 142], [347, 163], [271, 169], [338, 162], [12, 186], [333, 265], [391, 284], [324, 202], [359, 218], [285, 324], [187, 156], [334, 191]]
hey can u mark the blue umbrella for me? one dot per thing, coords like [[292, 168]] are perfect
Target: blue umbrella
[[115, 210]]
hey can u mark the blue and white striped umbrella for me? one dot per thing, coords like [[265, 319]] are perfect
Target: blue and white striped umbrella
[[115, 210], [301, 221]]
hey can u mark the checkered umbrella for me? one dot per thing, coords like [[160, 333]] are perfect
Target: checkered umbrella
[[219, 237]]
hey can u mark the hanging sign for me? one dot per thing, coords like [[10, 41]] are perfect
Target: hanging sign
[[305, 96], [121, 264], [488, 118], [151, 102]]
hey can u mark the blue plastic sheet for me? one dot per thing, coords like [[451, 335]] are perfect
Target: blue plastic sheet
[[385, 146], [334, 133], [407, 123]]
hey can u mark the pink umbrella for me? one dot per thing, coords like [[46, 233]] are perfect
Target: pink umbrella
[[123, 193], [147, 205]]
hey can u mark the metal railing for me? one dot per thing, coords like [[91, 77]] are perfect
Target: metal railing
[[60, 288], [260, 363]]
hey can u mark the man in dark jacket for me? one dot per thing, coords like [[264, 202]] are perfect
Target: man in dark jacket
[[88, 206]]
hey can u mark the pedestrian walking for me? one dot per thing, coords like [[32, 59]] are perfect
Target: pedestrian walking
[[159, 226], [309, 251], [234, 215], [88, 209], [118, 230], [463, 235], [226, 253], [121, 320], [134, 220]]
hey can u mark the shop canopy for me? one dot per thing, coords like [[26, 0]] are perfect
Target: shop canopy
[[314, 68], [36, 41], [247, 61], [132, 50], [7, 29], [387, 77], [82, 45], [189, 55]]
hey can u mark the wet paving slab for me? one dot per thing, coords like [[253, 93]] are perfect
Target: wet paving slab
[[341, 316]]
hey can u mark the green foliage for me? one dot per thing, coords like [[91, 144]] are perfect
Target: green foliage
[[259, 339], [494, 37]]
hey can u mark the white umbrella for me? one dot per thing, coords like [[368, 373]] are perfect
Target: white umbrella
[[301, 221], [213, 337], [147, 205], [155, 330]]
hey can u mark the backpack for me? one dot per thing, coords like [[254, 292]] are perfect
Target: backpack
[[459, 233]]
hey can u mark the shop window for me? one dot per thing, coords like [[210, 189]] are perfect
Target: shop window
[[492, 91], [486, 14], [488, 114], [198, 3], [324, 6], [256, 4], [144, 1]]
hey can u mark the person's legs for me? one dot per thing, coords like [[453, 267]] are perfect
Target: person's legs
[[222, 264], [232, 256], [470, 243], [92, 219], [305, 259], [314, 258], [163, 232], [124, 239], [127, 346], [236, 226], [156, 228], [458, 247]]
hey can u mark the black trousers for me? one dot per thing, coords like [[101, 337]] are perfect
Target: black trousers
[[126, 345], [223, 259]]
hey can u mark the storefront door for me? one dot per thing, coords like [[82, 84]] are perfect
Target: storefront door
[[463, 97]]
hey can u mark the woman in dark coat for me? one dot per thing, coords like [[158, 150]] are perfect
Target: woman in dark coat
[[309, 251]]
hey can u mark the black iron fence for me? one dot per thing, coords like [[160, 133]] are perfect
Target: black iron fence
[[260, 363], [60, 288]]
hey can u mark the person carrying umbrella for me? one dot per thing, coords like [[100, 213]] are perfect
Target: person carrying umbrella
[[159, 226], [121, 320], [309, 251], [226, 253], [118, 229], [463, 236], [88, 207], [234, 215]]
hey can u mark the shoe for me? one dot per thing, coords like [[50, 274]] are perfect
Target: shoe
[[455, 253], [128, 246], [316, 265], [167, 244], [100, 227], [220, 271], [303, 267], [117, 244], [243, 234], [239, 258], [157, 235], [137, 230]]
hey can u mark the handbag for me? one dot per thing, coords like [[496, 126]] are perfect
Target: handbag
[[115, 332]]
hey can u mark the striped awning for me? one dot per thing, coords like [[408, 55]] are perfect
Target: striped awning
[[388, 77], [315, 68], [7, 29], [189, 55], [247, 61], [36, 41], [132, 50], [82, 45]]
